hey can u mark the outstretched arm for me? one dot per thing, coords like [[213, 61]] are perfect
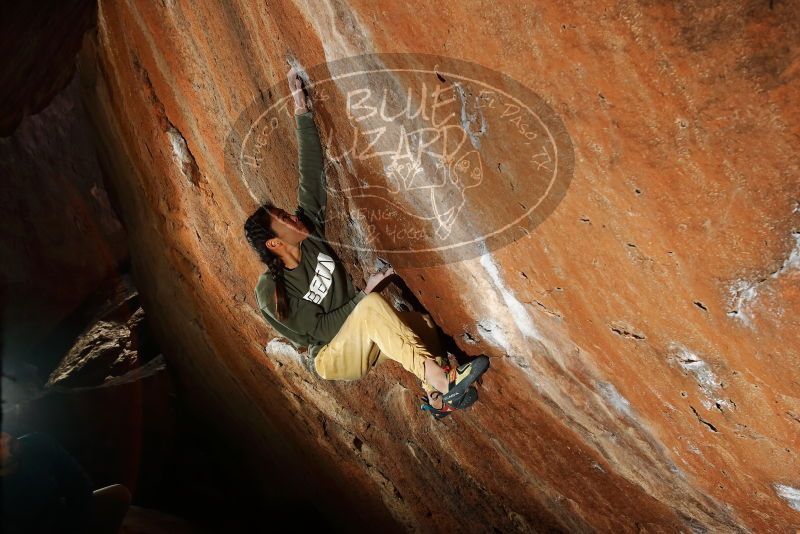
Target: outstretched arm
[[311, 194]]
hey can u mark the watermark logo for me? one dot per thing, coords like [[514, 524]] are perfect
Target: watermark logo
[[428, 159]]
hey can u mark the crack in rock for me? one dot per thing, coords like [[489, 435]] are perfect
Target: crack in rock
[[626, 331], [706, 380], [709, 425]]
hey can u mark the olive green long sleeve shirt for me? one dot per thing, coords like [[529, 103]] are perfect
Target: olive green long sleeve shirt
[[320, 293]]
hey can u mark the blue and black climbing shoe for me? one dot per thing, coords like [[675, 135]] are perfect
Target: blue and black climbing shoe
[[465, 401], [462, 377]]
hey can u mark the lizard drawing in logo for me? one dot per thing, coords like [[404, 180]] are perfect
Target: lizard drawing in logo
[[427, 175]]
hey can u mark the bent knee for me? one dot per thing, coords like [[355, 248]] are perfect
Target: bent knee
[[321, 370], [323, 365]]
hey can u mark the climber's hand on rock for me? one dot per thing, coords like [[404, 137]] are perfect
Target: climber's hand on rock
[[296, 87], [377, 278]]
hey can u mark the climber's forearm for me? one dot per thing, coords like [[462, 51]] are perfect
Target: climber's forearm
[[311, 194]]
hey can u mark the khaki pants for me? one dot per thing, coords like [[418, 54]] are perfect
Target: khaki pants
[[373, 332]]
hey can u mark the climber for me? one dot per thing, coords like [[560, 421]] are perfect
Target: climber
[[307, 296]]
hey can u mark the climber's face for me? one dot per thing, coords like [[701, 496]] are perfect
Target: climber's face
[[289, 229]]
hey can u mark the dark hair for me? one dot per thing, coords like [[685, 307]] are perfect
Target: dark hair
[[258, 230]]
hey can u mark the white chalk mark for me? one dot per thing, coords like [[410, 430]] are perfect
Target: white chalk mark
[[490, 330], [518, 312], [789, 494], [744, 293], [609, 392], [792, 263], [468, 119], [707, 381], [280, 347]]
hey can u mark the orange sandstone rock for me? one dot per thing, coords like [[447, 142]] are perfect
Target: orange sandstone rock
[[644, 336]]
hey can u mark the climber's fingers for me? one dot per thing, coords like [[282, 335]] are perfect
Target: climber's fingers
[[296, 87], [295, 84], [291, 75]]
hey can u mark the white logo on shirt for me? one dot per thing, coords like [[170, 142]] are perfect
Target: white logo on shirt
[[322, 280]]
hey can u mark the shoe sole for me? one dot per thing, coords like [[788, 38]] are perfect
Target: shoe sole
[[469, 398], [479, 366]]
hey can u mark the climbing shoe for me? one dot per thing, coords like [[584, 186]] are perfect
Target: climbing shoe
[[462, 377], [465, 401]]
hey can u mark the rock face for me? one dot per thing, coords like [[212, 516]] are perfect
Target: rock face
[[117, 342], [60, 239], [644, 337], [132, 430], [41, 41], [143, 521], [121, 432], [112, 402]]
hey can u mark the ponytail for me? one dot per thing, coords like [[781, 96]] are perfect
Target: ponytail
[[258, 230]]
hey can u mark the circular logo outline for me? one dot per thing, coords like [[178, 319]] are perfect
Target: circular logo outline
[[546, 117]]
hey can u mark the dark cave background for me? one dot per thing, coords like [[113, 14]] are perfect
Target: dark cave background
[[66, 282]]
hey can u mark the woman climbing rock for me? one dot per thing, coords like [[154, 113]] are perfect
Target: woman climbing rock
[[306, 295]]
